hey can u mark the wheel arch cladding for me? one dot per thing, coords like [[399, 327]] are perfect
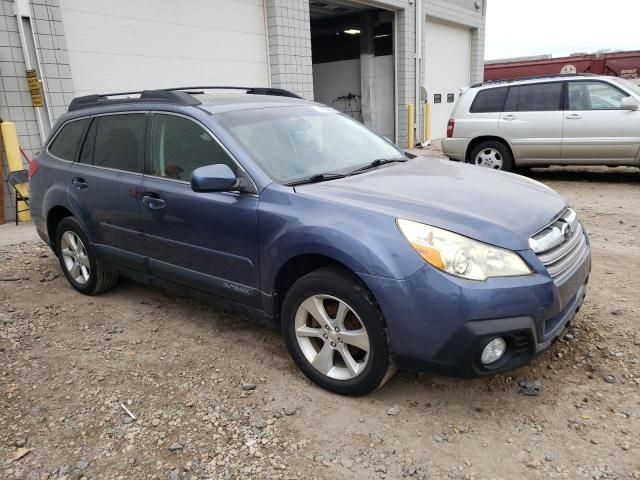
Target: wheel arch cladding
[[54, 216], [298, 266]]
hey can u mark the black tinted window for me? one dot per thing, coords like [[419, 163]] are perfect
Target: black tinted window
[[65, 145], [180, 146], [534, 97], [511, 104], [115, 141], [490, 100]]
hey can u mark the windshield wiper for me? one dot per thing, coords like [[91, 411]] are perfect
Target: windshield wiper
[[320, 177], [376, 163]]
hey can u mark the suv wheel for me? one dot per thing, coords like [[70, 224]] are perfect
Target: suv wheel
[[335, 332], [492, 154], [78, 260]]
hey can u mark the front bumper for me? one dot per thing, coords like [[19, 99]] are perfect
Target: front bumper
[[442, 323], [455, 148]]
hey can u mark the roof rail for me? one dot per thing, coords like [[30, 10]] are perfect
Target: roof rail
[[533, 77], [177, 96], [279, 92]]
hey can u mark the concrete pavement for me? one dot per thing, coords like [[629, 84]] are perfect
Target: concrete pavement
[[11, 234]]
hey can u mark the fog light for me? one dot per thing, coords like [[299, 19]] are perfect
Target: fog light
[[493, 351]]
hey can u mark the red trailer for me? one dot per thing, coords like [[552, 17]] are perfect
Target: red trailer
[[619, 64]]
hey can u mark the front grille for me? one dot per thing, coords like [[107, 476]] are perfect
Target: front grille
[[561, 245]]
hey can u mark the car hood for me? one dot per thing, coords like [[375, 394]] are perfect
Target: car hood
[[495, 207]]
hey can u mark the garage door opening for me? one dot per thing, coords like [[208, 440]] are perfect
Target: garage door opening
[[353, 61]]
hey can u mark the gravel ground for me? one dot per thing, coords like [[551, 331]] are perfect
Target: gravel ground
[[217, 396]]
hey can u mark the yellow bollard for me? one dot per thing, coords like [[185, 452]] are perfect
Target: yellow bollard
[[427, 122], [411, 142], [14, 162]]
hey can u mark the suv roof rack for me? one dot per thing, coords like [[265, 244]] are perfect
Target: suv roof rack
[[177, 96], [533, 77], [278, 92]]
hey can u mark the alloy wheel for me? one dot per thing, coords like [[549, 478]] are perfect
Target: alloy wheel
[[489, 158], [74, 255], [332, 337]]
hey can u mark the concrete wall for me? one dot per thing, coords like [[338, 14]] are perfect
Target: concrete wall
[[15, 100], [383, 119], [290, 50], [332, 80], [289, 36]]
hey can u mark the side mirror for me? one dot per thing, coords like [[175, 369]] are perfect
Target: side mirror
[[629, 103], [214, 178]]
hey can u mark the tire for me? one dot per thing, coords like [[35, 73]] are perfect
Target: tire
[[492, 154], [86, 277], [335, 291]]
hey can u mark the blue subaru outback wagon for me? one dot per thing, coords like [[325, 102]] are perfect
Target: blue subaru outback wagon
[[298, 215]]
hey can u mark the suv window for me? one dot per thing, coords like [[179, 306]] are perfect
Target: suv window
[[490, 100], [535, 97], [592, 95], [66, 143], [179, 146], [115, 141]]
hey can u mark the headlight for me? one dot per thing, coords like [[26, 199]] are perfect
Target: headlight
[[461, 256]]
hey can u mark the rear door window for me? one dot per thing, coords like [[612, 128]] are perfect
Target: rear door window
[[490, 100], [66, 143], [116, 141], [535, 97]]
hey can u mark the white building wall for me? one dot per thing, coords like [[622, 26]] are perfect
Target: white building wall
[[121, 45], [465, 13]]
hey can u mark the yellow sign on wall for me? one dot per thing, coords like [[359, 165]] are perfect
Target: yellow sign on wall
[[34, 88]]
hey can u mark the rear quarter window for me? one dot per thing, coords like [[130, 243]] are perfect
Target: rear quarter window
[[66, 143], [490, 100]]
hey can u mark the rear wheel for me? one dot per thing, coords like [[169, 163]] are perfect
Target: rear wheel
[[492, 154], [335, 332], [78, 260]]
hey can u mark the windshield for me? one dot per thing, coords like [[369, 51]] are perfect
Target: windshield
[[294, 143], [632, 87]]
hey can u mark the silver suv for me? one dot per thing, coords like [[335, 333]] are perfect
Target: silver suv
[[554, 120]]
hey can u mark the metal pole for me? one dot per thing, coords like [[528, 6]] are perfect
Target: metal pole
[[411, 143], [2, 220], [427, 122]]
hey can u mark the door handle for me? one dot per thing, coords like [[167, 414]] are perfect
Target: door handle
[[573, 116], [79, 183], [509, 117], [153, 202]]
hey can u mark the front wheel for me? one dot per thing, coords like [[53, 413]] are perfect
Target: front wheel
[[492, 154], [335, 332]]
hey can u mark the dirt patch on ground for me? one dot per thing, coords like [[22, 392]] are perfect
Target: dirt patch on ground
[[217, 396]]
